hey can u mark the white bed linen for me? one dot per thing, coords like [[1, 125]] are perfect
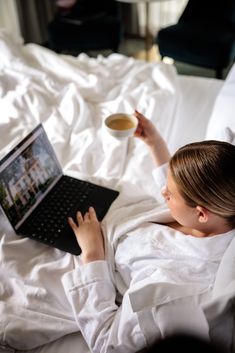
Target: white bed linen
[[71, 97], [221, 125]]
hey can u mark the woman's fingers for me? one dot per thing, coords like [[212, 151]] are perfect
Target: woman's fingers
[[86, 217], [140, 116], [139, 130], [79, 218], [92, 214], [72, 223]]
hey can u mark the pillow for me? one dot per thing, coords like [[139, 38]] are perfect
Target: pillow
[[221, 124]]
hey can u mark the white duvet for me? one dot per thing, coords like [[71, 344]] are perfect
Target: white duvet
[[71, 97]]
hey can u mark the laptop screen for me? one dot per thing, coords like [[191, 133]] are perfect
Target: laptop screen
[[27, 174]]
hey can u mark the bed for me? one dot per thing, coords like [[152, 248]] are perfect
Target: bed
[[71, 98]]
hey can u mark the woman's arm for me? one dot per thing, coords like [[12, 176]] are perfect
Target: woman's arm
[[92, 295], [105, 326], [148, 133]]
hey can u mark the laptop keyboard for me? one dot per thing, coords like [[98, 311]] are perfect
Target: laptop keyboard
[[49, 220]]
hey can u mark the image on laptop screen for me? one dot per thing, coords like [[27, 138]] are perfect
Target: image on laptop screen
[[26, 176]]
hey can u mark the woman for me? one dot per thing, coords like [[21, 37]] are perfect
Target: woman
[[168, 270]]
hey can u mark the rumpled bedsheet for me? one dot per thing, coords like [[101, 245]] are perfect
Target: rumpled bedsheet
[[71, 97]]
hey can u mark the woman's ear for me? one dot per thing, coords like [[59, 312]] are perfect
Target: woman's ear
[[203, 214]]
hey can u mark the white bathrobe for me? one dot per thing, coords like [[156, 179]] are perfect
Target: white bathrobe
[[163, 277]]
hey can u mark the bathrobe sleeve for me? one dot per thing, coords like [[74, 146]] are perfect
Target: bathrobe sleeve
[[109, 328], [105, 326], [159, 175]]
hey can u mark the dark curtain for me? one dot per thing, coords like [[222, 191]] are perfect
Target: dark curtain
[[34, 16]]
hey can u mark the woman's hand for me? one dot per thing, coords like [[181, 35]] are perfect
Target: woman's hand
[[148, 133], [89, 236]]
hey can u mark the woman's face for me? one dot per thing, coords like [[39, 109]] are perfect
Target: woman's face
[[180, 211]]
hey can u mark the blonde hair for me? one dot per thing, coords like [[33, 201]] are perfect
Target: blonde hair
[[205, 175]]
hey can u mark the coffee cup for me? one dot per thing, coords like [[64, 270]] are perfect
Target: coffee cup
[[121, 125]]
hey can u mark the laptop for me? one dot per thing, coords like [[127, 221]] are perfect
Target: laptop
[[38, 198]]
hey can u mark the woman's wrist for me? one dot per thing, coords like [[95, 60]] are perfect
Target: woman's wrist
[[91, 257], [160, 152]]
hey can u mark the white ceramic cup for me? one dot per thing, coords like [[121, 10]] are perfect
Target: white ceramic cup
[[121, 125]]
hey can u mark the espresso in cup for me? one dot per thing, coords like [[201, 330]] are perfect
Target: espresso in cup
[[121, 125]]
